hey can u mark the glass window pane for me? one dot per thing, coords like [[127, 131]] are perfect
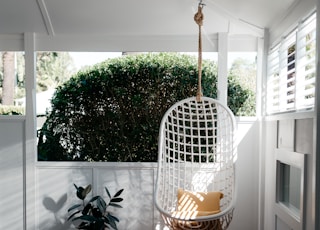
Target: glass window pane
[[290, 186]]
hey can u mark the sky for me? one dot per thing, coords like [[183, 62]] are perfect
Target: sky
[[82, 59]]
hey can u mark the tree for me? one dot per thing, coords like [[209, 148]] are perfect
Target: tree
[[112, 111], [243, 75], [53, 68], [8, 60], [245, 72]]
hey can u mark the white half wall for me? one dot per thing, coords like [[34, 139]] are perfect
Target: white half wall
[[55, 192], [11, 174]]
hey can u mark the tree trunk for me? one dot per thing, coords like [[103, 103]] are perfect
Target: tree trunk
[[8, 59]]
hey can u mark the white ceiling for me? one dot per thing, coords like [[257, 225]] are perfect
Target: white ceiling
[[139, 17]]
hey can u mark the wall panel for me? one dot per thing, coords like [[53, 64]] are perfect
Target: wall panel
[[11, 174]]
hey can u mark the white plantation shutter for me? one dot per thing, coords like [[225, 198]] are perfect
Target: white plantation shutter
[[306, 63], [287, 73], [273, 87], [291, 70]]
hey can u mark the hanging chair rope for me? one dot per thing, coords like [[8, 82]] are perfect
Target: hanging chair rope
[[198, 17]]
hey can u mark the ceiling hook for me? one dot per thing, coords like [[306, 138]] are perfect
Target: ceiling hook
[[201, 4]]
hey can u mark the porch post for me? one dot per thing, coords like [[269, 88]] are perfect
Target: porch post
[[316, 133], [222, 89], [30, 148], [262, 56]]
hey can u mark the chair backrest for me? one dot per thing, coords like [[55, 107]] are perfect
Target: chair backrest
[[196, 151]]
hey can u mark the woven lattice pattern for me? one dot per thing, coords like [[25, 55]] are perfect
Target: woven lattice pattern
[[210, 223], [196, 153]]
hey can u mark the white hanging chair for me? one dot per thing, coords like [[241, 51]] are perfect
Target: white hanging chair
[[196, 187], [196, 165]]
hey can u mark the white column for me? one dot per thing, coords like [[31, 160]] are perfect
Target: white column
[[261, 89], [223, 67], [261, 75], [316, 132], [30, 151]]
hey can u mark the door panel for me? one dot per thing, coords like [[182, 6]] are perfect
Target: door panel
[[288, 173]]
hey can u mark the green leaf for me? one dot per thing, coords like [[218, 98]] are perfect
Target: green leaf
[[113, 225], [101, 205], [74, 207], [86, 209], [111, 220], [113, 217], [73, 214], [116, 200], [87, 190], [108, 192], [84, 225], [80, 194], [115, 205], [118, 193], [93, 199], [99, 225]]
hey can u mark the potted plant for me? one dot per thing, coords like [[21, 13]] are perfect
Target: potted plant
[[93, 214]]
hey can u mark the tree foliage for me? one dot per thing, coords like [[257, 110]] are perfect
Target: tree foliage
[[52, 68], [245, 71], [242, 75], [8, 60], [112, 112], [11, 81]]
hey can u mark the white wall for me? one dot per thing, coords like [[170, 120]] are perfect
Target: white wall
[[55, 191], [247, 176], [11, 174], [293, 134], [280, 28]]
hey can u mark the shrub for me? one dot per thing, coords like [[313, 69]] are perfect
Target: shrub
[[241, 101], [112, 112], [11, 110]]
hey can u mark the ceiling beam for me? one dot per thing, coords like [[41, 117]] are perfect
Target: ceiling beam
[[46, 17]]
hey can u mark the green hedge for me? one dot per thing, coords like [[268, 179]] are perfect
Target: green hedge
[[112, 112], [11, 110]]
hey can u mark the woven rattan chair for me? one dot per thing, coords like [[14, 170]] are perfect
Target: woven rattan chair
[[197, 153]]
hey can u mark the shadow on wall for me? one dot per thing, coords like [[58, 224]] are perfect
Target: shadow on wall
[[56, 193], [137, 182], [54, 207], [247, 173]]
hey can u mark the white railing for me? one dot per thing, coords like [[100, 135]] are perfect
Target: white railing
[[54, 191]]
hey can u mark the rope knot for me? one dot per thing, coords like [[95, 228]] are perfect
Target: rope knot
[[198, 17]]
